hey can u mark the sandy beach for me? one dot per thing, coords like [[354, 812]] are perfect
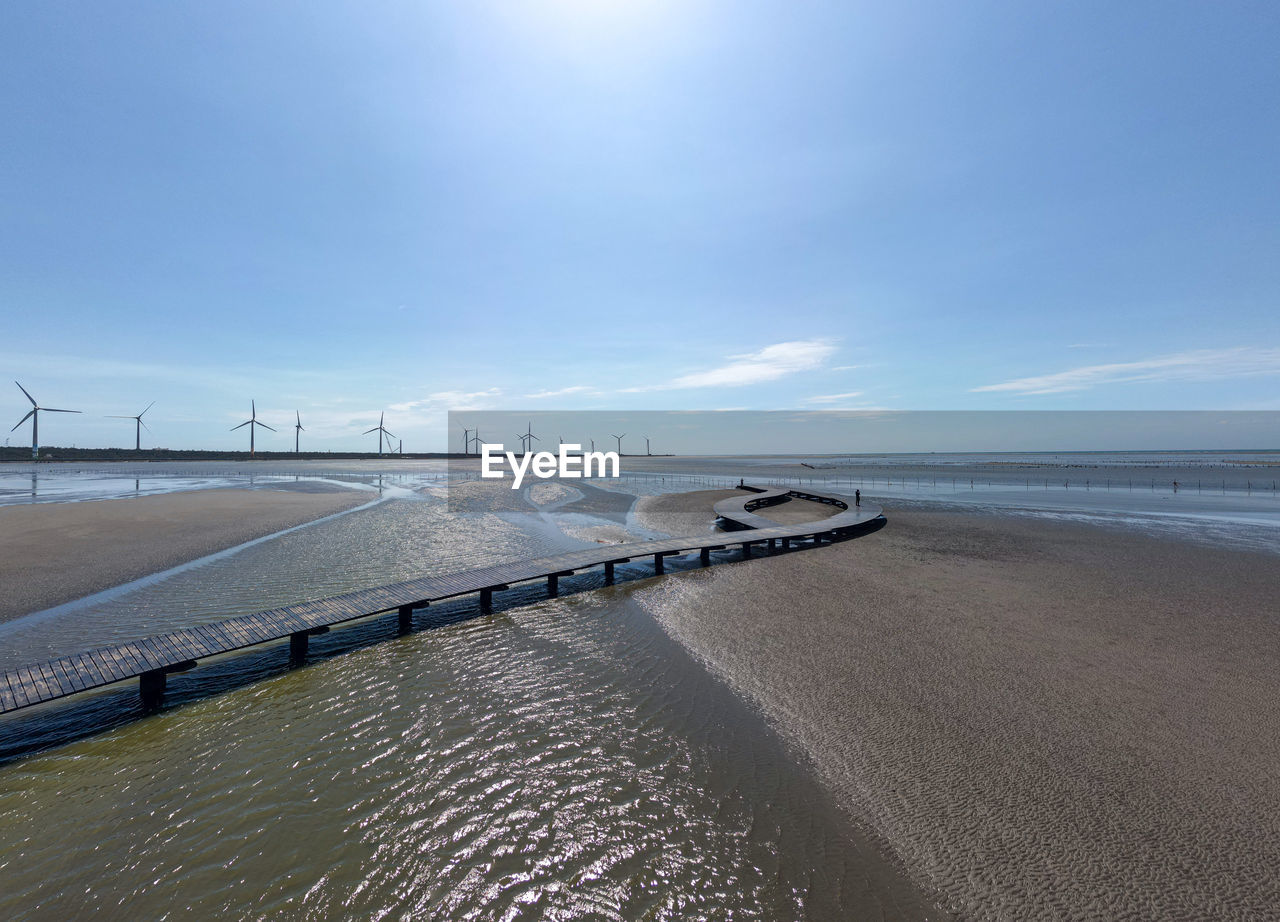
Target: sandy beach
[[1041, 720], [52, 553]]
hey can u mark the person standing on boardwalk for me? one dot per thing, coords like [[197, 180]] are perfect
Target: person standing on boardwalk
[[857, 497]]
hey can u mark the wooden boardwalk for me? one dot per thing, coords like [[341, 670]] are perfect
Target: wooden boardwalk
[[149, 660]]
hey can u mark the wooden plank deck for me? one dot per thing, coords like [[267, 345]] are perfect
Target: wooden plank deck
[[151, 657]]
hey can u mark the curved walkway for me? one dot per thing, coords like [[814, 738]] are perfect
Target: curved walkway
[[150, 659]]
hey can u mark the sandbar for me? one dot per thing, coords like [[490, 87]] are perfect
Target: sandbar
[[52, 553]]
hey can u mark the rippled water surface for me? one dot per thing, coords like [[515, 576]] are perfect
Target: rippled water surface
[[565, 759]]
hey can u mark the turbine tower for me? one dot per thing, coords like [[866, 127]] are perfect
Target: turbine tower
[[34, 415], [646, 446], [381, 430], [466, 441], [140, 425], [528, 438], [619, 438], [252, 422], [297, 428], [593, 446]]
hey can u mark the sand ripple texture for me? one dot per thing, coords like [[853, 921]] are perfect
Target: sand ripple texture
[[1045, 721], [564, 760]]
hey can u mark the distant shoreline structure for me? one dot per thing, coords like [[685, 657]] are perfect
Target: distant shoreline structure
[[53, 454]]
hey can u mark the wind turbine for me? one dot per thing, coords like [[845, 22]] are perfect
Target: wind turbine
[[646, 446], [620, 438], [381, 430], [593, 446], [252, 422], [466, 441], [297, 428], [34, 415], [137, 445], [528, 438]]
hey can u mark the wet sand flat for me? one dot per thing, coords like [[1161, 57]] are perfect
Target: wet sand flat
[[1042, 720], [52, 553]]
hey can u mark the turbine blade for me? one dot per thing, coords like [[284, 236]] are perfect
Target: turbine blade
[[534, 437], [144, 425], [263, 425], [374, 429], [144, 412], [52, 410], [242, 425], [119, 417], [29, 397], [30, 413]]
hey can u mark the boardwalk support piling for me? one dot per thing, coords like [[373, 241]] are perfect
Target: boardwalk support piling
[[553, 582], [151, 688], [657, 564], [486, 597], [405, 619], [704, 556], [298, 643], [608, 573]]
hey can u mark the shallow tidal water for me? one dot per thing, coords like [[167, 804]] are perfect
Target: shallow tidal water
[[559, 759]]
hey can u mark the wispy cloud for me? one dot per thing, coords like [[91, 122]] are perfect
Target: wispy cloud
[[832, 398], [562, 392], [1197, 365], [769, 364], [450, 400], [845, 367]]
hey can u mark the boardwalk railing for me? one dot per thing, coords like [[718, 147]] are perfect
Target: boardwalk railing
[[150, 659]]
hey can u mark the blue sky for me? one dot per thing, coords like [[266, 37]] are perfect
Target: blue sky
[[417, 207]]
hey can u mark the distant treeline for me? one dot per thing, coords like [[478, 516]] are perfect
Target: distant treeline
[[53, 453]]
